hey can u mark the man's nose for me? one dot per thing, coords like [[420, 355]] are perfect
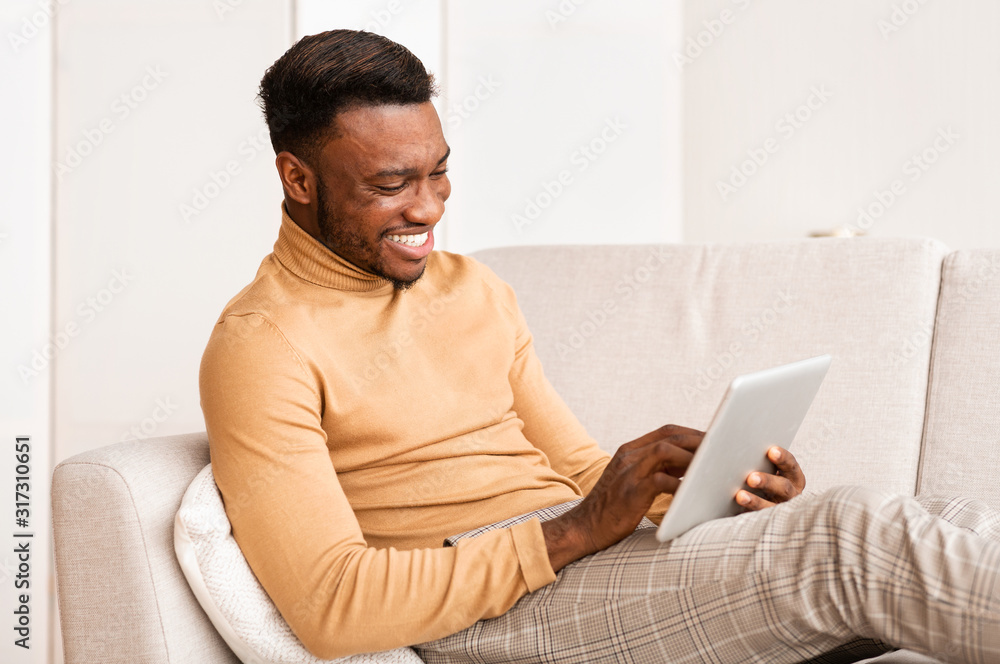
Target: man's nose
[[427, 206]]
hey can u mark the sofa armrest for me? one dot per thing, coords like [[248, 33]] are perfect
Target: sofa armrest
[[122, 595]]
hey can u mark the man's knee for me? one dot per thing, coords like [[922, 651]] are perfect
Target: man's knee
[[846, 510]]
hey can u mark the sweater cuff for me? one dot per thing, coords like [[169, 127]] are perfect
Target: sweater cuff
[[659, 508], [532, 554]]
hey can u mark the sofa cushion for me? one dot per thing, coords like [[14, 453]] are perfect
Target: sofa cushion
[[658, 332], [962, 434], [230, 594]]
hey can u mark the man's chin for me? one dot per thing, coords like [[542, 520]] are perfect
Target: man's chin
[[404, 283]]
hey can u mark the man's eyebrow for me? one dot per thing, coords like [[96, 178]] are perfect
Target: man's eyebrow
[[406, 172]]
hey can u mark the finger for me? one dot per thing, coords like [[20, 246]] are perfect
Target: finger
[[665, 457], [788, 466], [663, 432], [671, 429], [665, 483], [777, 488], [686, 440], [752, 502]]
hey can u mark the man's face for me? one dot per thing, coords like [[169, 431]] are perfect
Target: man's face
[[382, 185]]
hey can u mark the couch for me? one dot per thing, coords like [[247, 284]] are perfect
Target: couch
[[632, 337]]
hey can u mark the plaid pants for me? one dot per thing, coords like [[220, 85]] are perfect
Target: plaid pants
[[835, 576]]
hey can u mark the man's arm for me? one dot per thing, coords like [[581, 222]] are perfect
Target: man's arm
[[549, 424], [298, 532], [641, 470], [638, 481]]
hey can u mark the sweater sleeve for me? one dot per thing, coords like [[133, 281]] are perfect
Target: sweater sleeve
[[551, 426], [292, 521], [548, 422]]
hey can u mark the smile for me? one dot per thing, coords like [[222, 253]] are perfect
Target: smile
[[409, 240]]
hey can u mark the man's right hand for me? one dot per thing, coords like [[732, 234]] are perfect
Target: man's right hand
[[639, 472]]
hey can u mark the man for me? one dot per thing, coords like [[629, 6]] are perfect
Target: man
[[366, 398]]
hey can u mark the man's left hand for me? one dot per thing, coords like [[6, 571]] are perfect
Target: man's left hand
[[786, 483]]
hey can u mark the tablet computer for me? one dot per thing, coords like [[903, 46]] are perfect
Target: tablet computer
[[759, 410]]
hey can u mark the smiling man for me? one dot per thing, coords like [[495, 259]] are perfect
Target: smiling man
[[367, 398], [383, 188]]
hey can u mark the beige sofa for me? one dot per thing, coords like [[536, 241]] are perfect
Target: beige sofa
[[632, 337]]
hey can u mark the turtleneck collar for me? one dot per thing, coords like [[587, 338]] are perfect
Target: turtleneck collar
[[309, 259]]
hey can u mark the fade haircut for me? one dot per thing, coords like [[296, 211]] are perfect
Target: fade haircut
[[325, 74]]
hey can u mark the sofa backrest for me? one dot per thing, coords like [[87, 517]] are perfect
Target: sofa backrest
[[608, 323], [634, 337], [122, 595], [962, 431]]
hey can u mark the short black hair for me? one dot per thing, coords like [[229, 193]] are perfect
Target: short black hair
[[325, 74]]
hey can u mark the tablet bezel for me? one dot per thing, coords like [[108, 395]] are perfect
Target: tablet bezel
[[759, 410]]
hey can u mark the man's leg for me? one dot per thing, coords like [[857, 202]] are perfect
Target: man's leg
[[786, 584]]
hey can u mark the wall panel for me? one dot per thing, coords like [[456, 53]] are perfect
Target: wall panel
[[902, 141], [564, 119], [166, 202]]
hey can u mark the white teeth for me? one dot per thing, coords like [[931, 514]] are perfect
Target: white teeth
[[410, 240]]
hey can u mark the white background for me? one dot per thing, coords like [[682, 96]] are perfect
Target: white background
[[695, 89]]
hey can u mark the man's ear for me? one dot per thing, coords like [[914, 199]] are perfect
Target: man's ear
[[297, 179]]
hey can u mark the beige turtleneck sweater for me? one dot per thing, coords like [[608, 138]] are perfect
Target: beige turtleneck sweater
[[354, 427]]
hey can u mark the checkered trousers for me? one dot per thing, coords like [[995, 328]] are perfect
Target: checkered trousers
[[835, 576]]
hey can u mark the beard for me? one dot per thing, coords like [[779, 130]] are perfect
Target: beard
[[350, 245]]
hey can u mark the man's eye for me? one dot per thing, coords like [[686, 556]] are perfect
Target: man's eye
[[392, 189], [437, 174]]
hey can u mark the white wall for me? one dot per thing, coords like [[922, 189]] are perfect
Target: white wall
[[564, 121], [899, 73], [25, 287], [153, 233]]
